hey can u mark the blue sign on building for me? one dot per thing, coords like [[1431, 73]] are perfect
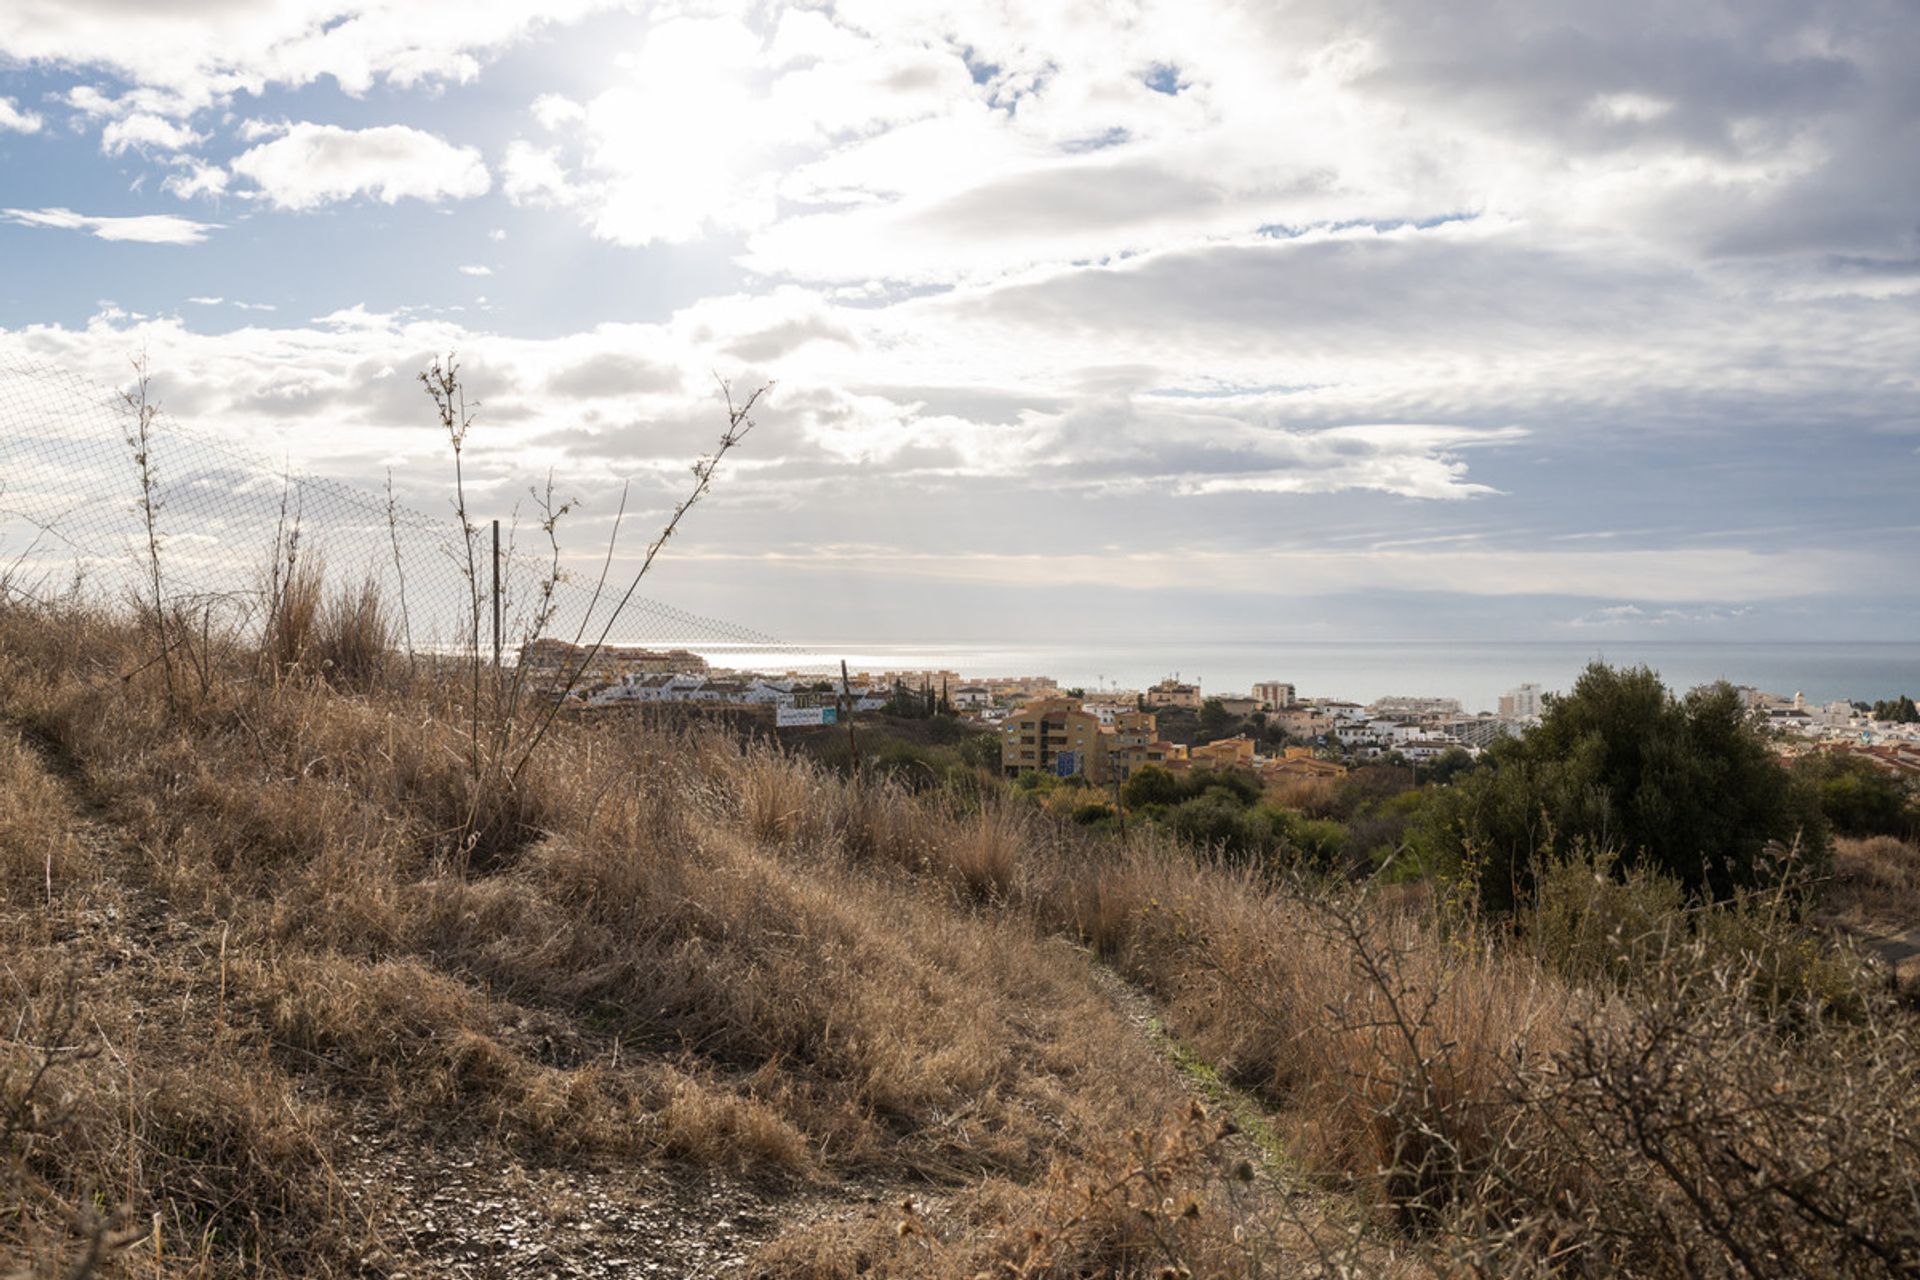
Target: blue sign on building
[[1066, 764]]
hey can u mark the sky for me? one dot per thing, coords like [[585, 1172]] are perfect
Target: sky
[[1085, 320]]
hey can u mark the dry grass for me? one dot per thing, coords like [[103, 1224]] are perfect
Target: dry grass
[[697, 953], [670, 946], [1876, 883], [39, 857], [355, 636]]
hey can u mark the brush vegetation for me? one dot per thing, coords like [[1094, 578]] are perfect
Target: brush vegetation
[[245, 941]]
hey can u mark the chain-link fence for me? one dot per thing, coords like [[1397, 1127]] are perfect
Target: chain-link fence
[[72, 523]]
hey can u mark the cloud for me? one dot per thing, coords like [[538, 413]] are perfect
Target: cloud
[[554, 111], [533, 175], [143, 131], [13, 119], [205, 56], [143, 229], [474, 269], [611, 374], [316, 164], [202, 301], [201, 179]]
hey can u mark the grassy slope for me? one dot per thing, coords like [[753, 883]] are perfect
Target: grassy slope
[[710, 1001]]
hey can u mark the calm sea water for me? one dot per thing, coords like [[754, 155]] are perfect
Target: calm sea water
[[1476, 673]]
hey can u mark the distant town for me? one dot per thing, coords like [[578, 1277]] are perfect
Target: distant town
[[1271, 730]]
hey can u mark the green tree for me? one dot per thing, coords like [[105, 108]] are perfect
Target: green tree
[[1898, 710], [1215, 720], [1858, 797], [1685, 786], [1450, 764], [1240, 787], [1213, 820], [1150, 784], [981, 750]]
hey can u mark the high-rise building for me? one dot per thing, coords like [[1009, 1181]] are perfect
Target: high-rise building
[[1275, 695], [1522, 702]]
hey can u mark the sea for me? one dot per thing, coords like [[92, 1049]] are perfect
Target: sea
[[1473, 671]]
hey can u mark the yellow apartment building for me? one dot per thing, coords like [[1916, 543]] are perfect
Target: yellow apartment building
[[1172, 693], [1300, 762], [1226, 753], [1055, 735]]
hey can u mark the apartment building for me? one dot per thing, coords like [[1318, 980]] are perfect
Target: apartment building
[[1062, 737], [1172, 693], [1224, 753], [1301, 722], [1300, 762], [1274, 695], [1522, 702], [1401, 705]]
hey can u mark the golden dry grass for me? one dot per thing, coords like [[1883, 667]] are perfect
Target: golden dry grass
[[681, 947], [1876, 883]]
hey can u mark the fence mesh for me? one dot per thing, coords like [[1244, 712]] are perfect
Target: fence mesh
[[72, 524]]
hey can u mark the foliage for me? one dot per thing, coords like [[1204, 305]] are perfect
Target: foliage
[[1684, 786], [980, 750], [1215, 719], [1450, 764], [1632, 928], [1151, 785], [1900, 710], [1857, 796]]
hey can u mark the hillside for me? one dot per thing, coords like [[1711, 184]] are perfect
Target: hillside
[[308, 979]]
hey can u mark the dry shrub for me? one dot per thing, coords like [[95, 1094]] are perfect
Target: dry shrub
[[354, 635], [296, 603], [1175, 1198], [736, 959], [1313, 797], [712, 1125], [39, 856], [776, 794], [1876, 882], [983, 851], [210, 1162], [1686, 1136], [1599, 924], [397, 1018]]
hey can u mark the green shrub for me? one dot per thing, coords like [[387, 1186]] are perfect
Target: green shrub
[[1682, 786], [1630, 928], [1857, 797], [1151, 785]]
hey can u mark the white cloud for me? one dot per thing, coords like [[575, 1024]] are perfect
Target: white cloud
[[554, 111], [143, 130], [202, 301], [205, 56], [13, 119], [253, 130], [533, 175], [474, 269], [316, 164], [143, 229], [201, 179]]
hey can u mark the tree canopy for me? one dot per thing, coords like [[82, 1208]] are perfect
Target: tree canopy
[[1683, 785]]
